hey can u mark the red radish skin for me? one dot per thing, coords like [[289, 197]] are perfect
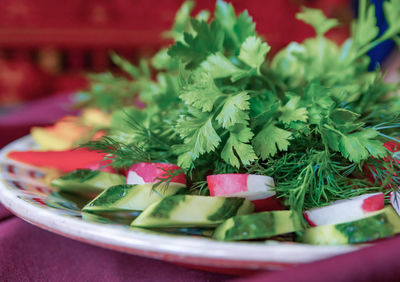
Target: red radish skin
[[374, 203], [307, 218], [228, 184], [151, 172], [345, 210], [65, 161], [249, 186], [257, 188]]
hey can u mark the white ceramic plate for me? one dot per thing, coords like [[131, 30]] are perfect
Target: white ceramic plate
[[23, 192]]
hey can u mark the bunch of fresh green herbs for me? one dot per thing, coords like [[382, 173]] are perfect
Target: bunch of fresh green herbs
[[312, 116]]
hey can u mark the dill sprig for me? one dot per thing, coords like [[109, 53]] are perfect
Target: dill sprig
[[309, 179], [164, 180], [385, 173], [200, 187], [122, 155]]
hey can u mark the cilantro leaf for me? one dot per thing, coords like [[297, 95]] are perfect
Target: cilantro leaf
[[125, 65], [203, 15], [365, 32], [162, 61], [292, 112], [244, 26], [345, 120], [236, 29], [225, 14], [234, 110], [220, 66], [271, 139], [392, 14], [236, 150], [317, 20], [318, 100], [196, 48], [202, 94], [330, 138], [108, 91], [263, 108], [182, 20], [361, 145], [199, 137], [253, 52], [364, 29]]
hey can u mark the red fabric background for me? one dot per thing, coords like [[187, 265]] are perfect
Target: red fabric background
[[45, 45]]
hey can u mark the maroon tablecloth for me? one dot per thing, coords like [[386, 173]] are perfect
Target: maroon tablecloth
[[378, 263], [28, 253]]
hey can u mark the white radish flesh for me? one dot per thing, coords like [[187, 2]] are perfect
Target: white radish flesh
[[345, 210]]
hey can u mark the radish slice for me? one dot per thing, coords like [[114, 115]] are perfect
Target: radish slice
[[395, 200], [256, 188], [142, 173], [250, 186], [65, 161], [345, 210]]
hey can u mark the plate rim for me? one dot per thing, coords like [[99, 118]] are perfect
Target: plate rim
[[180, 249]]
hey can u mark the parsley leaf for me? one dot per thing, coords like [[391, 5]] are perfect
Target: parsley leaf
[[199, 137], [360, 145], [219, 66], [234, 110], [182, 21], [318, 100], [392, 13], [202, 94], [162, 61], [271, 139], [317, 20], [253, 52], [125, 65], [292, 112], [346, 121], [364, 28], [236, 29], [236, 149], [196, 48]]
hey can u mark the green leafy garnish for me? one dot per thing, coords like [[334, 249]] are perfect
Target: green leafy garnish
[[312, 116], [317, 20], [195, 48]]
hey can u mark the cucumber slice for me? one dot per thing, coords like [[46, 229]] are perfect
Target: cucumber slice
[[87, 182], [257, 226], [380, 224], [124, 218], [191, 211], [128, 197]]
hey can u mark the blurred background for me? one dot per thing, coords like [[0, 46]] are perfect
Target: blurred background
[[46, 46]]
